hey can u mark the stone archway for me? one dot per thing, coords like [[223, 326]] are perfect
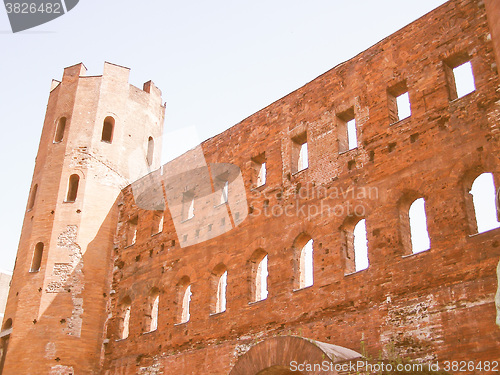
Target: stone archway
[[283, 355]]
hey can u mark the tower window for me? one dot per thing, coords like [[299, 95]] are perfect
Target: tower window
[[151, 146], [31, 201], [224, 192], [74, 180], [459, 75], [107, 129], [300, 157], [37, 257], [61, 125], [346, 129]]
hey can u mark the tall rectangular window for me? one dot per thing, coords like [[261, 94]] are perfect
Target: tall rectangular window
[[459, 76], [398, 102], [300, 155], [259, 167], [347, 130]]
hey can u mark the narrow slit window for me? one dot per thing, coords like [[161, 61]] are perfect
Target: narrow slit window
[[403, 103], [186, 302], [418, 227], [37, 257], [306, 265], [300, 157], [125, 321], [31, 201], [484, 200], [108, 129], [152, 316], [61, 126], [261, 291], [73, 183], [220, 305], [224, 192], [360, 246], [151, 146], [351, 134], [347, 130], [261, 178], [132, 231]]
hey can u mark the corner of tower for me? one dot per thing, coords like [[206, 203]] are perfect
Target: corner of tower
[[115, 72], [74, 72]]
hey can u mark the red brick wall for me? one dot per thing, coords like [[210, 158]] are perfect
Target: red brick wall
[[435, 305]]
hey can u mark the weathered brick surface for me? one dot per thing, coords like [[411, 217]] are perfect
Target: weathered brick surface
[[433, 306]]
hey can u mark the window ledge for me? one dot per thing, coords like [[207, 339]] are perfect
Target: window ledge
[[148, 332], [466, 95], [486, 231], [217, 313], [304, 288], [414, 254], [348, 151], [302, 170], [399, 122], [252, 303], [185, 220], [355, 272], [180, 324]]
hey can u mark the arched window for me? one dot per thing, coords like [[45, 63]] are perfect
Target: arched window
[[259, 272], [418, 227], [303, 261], [31, 201], [219, 288], [354, 245], [61, 126], [37, 257], [108, 129], [360, 246], [484, 200], [186, 302], [152, 314], [124, 318], [151, 147], [74, 180]]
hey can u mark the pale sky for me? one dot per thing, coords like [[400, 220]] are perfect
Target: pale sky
[[216, 62]]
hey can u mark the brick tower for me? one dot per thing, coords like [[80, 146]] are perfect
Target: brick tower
[[100, 133]]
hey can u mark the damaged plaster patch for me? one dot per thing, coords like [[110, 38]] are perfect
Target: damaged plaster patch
[[50, 350], [241, 349], [410, 329], [68, 277], [61, 370], [154, 369]]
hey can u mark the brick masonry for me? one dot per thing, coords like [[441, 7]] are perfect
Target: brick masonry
[[436, 305]]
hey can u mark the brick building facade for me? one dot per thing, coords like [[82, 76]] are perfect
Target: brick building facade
[[333, 224]]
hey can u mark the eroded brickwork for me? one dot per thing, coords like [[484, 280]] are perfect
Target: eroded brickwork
[[431, 306], [88, 304]]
